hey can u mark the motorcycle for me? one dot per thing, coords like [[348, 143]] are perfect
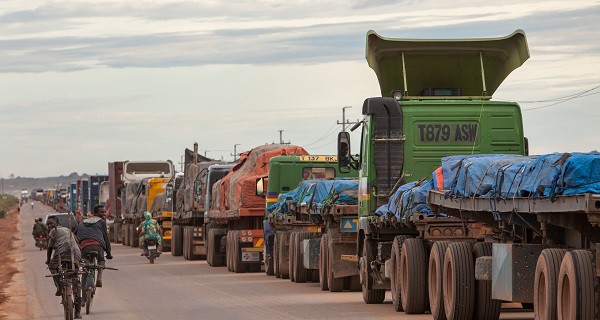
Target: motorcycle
[[152, 249], [41, 241]]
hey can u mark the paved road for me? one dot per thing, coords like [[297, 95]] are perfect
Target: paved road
[[174, 288]]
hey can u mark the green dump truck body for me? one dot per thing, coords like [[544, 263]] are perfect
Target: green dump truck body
[[441, 106]]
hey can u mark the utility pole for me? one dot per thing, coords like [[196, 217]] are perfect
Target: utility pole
[[205, 152], [281, 137], [344, 121], [235, 151]]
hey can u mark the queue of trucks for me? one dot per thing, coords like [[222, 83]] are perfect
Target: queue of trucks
[[431, 206]]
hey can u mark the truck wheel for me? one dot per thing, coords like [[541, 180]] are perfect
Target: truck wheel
[[125, 234], [282, 251], [300, 274], [334, 284], [176, 241], [184, 231], [485, 306], [133, 239], [269, 261], [208, 243], [435, 275], [459, 281], [395, 274], [370, 296], [578, 287], [238, 266], [546, 283], [413, 276], [228, 252], [292, 255], [355, 283], [323, 263], [214, 244], [276, 256]]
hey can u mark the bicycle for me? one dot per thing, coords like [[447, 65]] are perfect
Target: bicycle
[[69, 286], [88, 279]]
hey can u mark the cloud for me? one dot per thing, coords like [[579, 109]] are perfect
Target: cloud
[[69, 36]]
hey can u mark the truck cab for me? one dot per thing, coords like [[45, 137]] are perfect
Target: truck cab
[[436, 102]]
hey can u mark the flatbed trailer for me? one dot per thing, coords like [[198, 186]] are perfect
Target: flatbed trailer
[[545, 251], [319, 245]]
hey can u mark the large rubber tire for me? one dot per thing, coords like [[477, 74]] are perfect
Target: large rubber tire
[[546, 283], [126, 234], [292, 255], [238, 266], [370, 296], [334, 284], [269, 266], [395, 273], [435, 279], [207, 243], [184, 232], [300, 273], [284, 269], [214, 245], [459, 281], [485, 307], [413, 276], [228, 248], [134, 241], [176, 241], [323, 263], [578, 287], [276, 255]]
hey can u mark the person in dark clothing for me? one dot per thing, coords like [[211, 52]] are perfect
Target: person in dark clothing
[[39, 228], [62, 248], [93, 236]]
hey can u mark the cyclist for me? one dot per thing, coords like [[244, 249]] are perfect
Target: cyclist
[[93, 236], [63, 244]]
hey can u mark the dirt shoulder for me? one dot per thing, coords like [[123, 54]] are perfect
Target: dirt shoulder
[[13, 292]]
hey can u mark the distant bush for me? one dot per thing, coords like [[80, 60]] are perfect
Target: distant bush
[[2, 214], [6, 202]]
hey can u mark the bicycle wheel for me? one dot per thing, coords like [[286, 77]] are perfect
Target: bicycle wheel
[[68, 307], [88, 301]]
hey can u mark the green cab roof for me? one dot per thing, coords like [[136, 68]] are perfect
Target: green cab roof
[[411, 65]]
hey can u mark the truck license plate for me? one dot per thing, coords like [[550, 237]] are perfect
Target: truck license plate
[[250, 256], [151, 247]]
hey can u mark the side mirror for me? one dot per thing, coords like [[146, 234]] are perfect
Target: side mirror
[[260, 187], [343, 151], [197, 186]]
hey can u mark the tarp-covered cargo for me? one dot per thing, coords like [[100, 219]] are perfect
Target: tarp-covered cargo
[[500, 176], [238, 188], [318, 193]]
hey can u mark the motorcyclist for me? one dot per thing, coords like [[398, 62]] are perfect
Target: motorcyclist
[[149, 228], [63, 244], [93, 236], [39, 228]]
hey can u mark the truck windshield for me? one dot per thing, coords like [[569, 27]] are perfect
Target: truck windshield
[[148, 167], [317, 173]]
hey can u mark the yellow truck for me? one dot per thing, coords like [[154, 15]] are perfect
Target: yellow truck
[[160, 207]]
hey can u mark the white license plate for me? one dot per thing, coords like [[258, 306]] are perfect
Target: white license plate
[[251, 256], [151, 247]]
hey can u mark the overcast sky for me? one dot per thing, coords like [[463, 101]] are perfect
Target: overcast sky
[[82, 84]]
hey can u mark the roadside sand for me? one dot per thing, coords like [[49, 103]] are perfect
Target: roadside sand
[[13, 292]]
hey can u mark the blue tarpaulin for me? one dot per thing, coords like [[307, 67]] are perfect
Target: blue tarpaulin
[[317, 193], [500, 176]]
